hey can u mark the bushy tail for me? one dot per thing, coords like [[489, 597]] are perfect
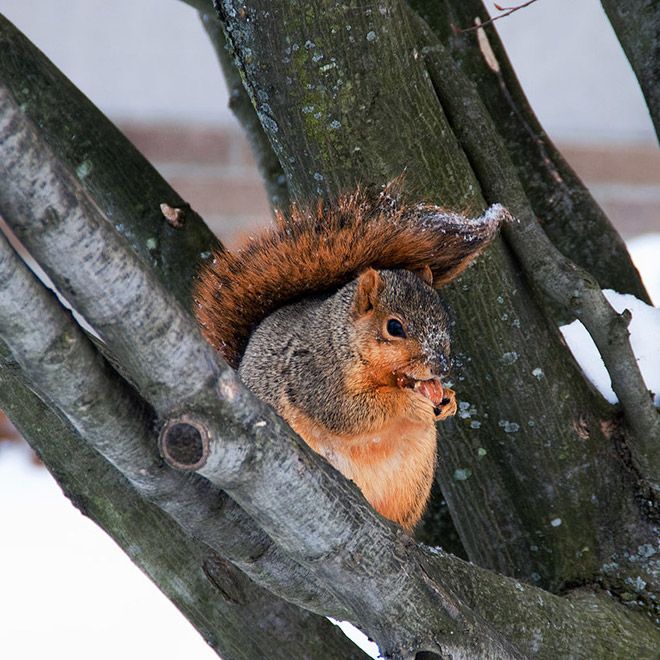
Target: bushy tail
[[321, 249]]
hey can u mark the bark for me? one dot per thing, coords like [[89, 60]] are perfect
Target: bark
[[637, 27], [360, 105], [322, 521], [340, 122], [237, 618], [569, 215]]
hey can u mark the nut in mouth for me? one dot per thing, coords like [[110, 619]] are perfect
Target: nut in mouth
[[431, 388]]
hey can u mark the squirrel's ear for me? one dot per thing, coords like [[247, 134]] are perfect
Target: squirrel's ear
[[425, 274], [369, 286]]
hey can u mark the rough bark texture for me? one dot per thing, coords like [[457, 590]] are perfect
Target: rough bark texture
[[561, 282], [570, 216], [105, 280], [341, 540], [531, 469], [333, 121]]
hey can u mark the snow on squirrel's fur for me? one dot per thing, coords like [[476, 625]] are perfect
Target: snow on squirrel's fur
[[322, 247]]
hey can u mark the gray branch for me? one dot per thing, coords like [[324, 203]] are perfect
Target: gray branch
[[143, 326], [123, 185], [571, 217], [239, 620], [323, 522]]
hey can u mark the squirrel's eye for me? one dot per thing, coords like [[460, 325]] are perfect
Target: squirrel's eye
[[395, 328]]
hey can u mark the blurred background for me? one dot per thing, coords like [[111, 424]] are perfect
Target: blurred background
[[65, 590]]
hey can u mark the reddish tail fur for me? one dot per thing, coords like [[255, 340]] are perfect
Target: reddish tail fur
[[321, 249]]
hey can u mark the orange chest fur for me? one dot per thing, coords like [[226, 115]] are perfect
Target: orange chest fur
[[393, 466]]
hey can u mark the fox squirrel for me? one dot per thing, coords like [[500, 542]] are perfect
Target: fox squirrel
[[333, 319]]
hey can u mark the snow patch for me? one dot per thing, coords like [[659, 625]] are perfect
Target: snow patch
[[644, 338], [645, 251], [67, 588], [358, 637]]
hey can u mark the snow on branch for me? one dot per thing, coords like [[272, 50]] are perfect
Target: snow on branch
[[644, 338]]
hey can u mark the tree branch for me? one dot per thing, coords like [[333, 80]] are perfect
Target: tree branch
[[240, 540], [322, 521], [60, 361], [238, 619], [566, 284], [571, 218], [117, 295], [637, 26]]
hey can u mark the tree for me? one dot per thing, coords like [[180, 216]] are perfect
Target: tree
[[552, 491]]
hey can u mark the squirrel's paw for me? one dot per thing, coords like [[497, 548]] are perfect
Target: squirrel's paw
[[448, 406]]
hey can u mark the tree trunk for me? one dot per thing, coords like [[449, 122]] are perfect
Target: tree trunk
[[546, 483]]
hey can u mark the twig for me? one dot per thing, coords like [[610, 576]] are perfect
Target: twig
[[508, 11]]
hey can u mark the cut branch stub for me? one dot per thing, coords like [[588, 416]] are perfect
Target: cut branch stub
[[184, 443]]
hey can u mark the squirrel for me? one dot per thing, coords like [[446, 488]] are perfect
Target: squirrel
[[333, 318]]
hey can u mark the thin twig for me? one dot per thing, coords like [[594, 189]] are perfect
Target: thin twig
[[508, 11]]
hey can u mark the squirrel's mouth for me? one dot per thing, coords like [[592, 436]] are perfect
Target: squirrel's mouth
[[431, 388]]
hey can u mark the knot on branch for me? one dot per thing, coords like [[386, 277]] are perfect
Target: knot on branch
[[175, 216], [184, 443]]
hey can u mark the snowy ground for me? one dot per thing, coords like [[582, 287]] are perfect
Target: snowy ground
[[68, 592]]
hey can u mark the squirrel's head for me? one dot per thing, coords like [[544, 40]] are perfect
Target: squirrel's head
[[402, 330]]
